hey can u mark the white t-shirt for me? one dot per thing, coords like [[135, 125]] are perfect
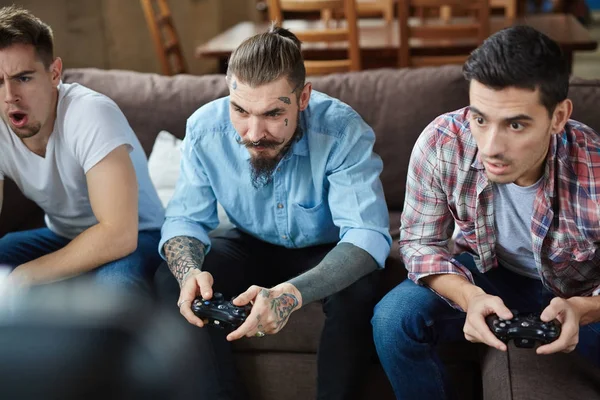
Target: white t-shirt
[[88, 127]]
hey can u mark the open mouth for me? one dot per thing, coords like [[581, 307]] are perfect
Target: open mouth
[[18, 118]]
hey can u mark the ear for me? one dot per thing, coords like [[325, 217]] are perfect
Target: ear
[[561, 115], [56, 70], [304, 96]]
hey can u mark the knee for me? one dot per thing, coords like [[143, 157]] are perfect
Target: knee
[[402, 313], [11, 251], [357, 300], [130, 271]]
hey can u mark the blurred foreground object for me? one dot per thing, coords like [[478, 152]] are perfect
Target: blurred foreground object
[[74, 341]]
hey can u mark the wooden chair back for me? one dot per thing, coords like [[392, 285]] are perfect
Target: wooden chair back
[[376, 8], [509, 7], [165, 38], [443, 28], [333, 31]]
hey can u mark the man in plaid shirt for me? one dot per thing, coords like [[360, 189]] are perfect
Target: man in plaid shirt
[[521, 182]]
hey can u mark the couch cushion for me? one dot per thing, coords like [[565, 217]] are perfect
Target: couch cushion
[[398, 104], [152, 102], [301, 333], [508, 376], [585, 95]]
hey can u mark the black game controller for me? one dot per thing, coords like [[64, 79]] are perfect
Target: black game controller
[[220, 313], [524, 329]]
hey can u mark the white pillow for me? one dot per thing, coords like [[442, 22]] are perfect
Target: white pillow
[[163, 165]]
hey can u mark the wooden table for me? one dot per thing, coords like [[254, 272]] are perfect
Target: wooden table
[[379, 40]]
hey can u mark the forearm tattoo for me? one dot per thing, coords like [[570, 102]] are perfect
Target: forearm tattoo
[[281, 306], [184, 254]]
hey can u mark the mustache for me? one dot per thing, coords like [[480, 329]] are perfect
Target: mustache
[[497, 160], [269, 144]]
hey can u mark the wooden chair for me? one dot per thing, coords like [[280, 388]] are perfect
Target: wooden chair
[[370, 8], [509, 6], [332, 32], [442, 29], [164, 35]]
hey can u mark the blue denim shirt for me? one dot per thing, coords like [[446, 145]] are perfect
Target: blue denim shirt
[[324, 190]]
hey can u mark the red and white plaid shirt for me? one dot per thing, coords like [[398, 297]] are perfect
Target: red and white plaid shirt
[[447, 183]]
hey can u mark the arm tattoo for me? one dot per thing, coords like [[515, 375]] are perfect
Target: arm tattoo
[[183, 254], [286, 100], [234, 85], [283, 306]]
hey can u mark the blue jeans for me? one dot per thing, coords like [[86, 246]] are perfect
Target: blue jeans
[[132, 273], [411, 320]]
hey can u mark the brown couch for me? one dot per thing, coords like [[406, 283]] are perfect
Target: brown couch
[[398, 104]]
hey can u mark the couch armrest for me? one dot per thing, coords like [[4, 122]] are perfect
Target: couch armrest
[[521, 374]]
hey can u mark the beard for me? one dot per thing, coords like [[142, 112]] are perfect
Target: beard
[[262, 168], [27, 132]]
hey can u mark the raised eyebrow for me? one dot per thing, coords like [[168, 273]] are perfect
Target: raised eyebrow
[[520, 117], [474, 110], [274, 111], [22, 73], [233, 103]]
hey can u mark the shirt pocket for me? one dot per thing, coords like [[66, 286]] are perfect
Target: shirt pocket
[[313, 222]]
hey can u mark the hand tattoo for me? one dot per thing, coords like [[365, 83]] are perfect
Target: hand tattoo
[[260, 326], [286, 100], [283, 306], [184, 254]]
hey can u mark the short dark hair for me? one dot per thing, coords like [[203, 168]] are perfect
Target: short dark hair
[[268, 56], [19, 26], [521, 57]]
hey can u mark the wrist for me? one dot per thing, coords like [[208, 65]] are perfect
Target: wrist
[[468, 292], [289, 288], [588, 308], [188, 274], [18, 278]]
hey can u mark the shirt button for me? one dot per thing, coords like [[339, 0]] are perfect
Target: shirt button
[[279, 169], [279, 205], [283, 236]]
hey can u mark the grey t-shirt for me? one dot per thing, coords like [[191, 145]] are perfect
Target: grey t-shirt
[[513, 208]]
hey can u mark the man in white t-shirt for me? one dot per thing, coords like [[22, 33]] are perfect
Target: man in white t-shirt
[[72, 151]]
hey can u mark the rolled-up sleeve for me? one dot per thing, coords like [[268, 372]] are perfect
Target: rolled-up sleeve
[[426, 220], [356, 196], [193, 209]]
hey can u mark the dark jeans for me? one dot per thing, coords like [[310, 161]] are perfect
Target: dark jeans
[[131, 273], [237, 261], [411, 320]]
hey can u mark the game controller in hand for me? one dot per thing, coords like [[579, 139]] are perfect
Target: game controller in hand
[[220, 313], [524, 329]]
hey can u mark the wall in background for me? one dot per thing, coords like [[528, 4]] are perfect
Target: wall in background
[[112, 34]]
